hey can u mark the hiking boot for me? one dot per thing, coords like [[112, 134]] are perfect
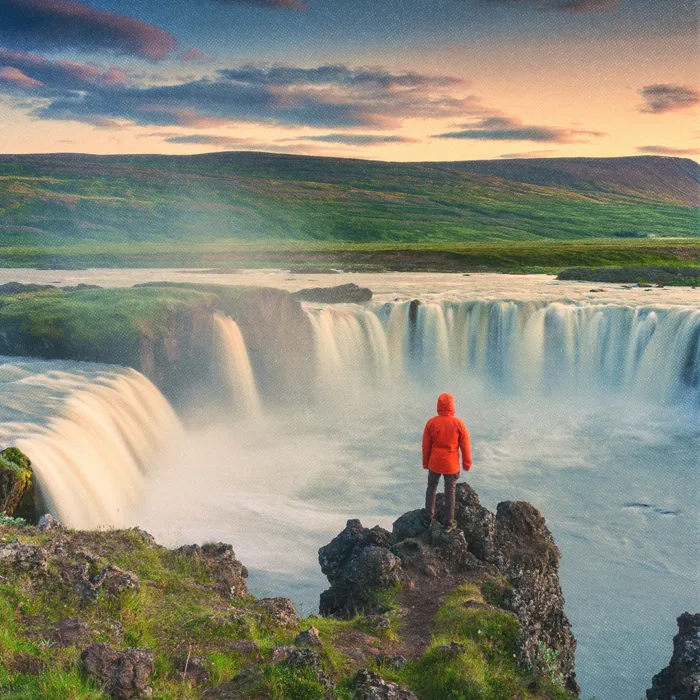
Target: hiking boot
[[451, 526]]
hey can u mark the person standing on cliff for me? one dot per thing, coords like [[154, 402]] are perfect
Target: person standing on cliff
[[444, 437]]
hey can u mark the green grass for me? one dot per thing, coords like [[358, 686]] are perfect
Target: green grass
[[537, 256], [54, 200]]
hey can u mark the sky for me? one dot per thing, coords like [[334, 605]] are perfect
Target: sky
[[401, 80]]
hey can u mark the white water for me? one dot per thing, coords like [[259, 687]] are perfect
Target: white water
[[514, 347], [235, 363], [91, 431], [589, 411]]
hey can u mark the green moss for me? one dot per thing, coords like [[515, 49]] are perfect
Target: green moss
[[18, 494]]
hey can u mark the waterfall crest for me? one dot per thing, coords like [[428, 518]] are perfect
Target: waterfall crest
[[236, 367], [91, 456], [514, 346]]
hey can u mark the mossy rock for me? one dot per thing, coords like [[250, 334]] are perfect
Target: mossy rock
[[18, 492]]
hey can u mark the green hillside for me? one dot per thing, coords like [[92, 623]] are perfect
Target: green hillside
[[66, 199]]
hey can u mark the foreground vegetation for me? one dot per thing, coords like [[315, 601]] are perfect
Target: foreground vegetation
[[371, 257], [202, 638]]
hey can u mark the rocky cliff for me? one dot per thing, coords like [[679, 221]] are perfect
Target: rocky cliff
[[511, 550], [111, 614], [680, 680]]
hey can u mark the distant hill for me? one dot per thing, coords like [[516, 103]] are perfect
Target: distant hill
[[64, 198]]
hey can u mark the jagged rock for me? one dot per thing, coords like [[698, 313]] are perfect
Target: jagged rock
[[78, 576], [409, 525], [307, 658], [370, 686], [309, 638], [280, 654], [195, 670], [281, 610], [229, 572], [70, 631], [419, 558], [115, 581], [48, 522], [525, 553], [476, 522], [18, 494], [359, 565], [340, 294], [25, 557], [680, 680], [122, 674]]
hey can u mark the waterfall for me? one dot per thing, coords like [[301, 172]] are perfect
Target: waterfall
[[91, 436], [545, 348], [237, 370]]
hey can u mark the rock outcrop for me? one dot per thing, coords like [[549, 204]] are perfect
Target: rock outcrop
[[19, 495], [230, 573], [513, 546], [340, 294], [122, 674], [680, 680]]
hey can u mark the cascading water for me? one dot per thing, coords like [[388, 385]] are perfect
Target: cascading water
[[515, 346], [236, 366], [91, 434]]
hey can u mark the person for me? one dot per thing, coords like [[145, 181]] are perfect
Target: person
[[444, 437]]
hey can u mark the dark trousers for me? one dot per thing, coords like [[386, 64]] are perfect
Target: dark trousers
[[450, 486]]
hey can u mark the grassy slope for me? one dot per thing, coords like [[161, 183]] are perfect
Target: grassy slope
[[177, 611], [540, 255], [59, 200]]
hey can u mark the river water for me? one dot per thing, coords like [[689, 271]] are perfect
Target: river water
[[583, 403]]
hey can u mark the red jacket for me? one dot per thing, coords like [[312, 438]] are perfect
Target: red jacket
[[443, 437]]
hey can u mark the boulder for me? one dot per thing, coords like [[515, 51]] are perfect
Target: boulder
[[341, 294], [309, 638], [229, 573], [370, 686], [47, 523], [122, 674], [281, 610], [23, 557], [359, 566], [115, 581], [195, 670], [680, 680], [307, 658], [18, 492]]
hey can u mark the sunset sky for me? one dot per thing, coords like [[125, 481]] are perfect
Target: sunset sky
[[387, 79]]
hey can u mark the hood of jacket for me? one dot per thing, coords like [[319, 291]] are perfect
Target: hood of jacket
[[446, 405]]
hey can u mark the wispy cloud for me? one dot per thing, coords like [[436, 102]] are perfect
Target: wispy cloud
[[668, 151], [666, 97], [272, 4], [528, 154], [359, 139], [60, 24], [573, 6], [512, 129], [335, 97]]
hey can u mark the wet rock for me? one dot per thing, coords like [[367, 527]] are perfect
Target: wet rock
[[22, 557], [18, 494], [680, 680], [370, 686], [341, 294], [69, 632], [122, 674], [359, 566], [48, 522], [195, 670], [281, 610], [309, 638]]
